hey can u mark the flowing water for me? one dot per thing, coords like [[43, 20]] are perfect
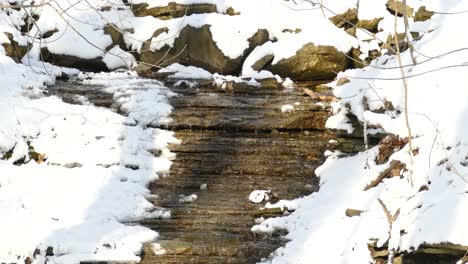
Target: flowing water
[[233, 142]]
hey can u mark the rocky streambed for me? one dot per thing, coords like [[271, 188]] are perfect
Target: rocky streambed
[[233, 141]]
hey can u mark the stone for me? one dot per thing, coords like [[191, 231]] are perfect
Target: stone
[[370, 25], [263, 62], [398, 8], [352, 212], [422, 14], [49, 33], [92, 65], [175, 246], [393, 170], [230, 11], [116, 36], [13, 49], [342, 80], [357, 62], [186, 50], [172, 10], [311, 62], [270, 83], [346, 20]]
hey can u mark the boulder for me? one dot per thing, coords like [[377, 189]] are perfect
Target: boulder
[[13, 49], [172, 10], [311, 62], [195, 47]]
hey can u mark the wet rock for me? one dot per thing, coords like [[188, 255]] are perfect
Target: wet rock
[[92, 65], [186, 50], [234, 142], [172, 10], [13, 49], [49, 33], [312, 62]]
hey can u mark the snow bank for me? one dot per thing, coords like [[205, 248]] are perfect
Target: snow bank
[[96, 172], [431, 193]]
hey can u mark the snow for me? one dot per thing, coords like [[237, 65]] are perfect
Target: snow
[[188, 199], [287, 108], [186, 72], [259, 196], [78, 199], [118, 58]]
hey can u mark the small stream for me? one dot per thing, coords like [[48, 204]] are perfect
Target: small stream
[[233, 142]]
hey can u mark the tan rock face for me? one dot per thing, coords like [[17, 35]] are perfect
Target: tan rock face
[[195, 46], [312, 62], [172, 10]]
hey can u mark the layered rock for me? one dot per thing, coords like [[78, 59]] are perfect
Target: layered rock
[[172, 10]]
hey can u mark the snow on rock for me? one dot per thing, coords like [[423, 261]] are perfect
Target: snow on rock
[[188, 199], [287, 108], [118, 58], [259, 196], [186, 72]]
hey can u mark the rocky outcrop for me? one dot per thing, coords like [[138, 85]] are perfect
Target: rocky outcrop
[[172, 10], [311, 62], [195, 47], [93, 65], [13, 49]]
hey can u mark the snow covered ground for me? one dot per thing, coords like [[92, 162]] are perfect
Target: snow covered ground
[[72, 176], [97, 167]]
